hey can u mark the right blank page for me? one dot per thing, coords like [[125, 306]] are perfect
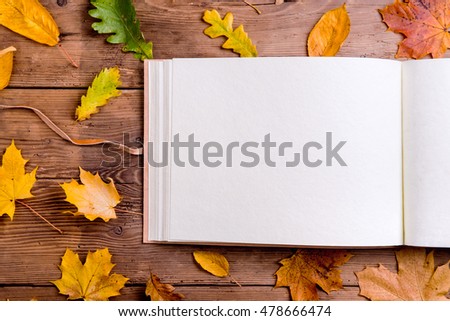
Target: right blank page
[[426, 150]]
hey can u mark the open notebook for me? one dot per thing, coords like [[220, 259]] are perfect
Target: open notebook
[[297, 151]]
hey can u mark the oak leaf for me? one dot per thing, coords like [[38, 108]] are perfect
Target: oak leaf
[[91, 281], [238, 39], [416, 280], [94, 199], [119, 17], [424, 24], [308, 268], [15, 183], [329, 33], [158, 291], [6, 66], [30, 19], [102, 88]]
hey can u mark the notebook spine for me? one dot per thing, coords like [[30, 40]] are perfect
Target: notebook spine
[[160, 75]]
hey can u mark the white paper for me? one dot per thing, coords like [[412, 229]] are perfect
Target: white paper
[[426, 88], [295, 100]]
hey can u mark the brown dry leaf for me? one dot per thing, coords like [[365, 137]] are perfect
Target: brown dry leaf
[[308, 268], [91, 281], [93, 198], [416, 280], [158, 291], [330, 32], [6, 66], [424, 24]]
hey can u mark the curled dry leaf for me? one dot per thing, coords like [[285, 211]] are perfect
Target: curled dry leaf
[[102, 88], [330, 32], [6, 66], [30, 19], [238, 39], [15, 183], [91, 281], [158, 291], [416, 280], [93, 198], [424, 24], [308, 268]]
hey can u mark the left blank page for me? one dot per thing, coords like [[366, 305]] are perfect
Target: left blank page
[[323, 101]]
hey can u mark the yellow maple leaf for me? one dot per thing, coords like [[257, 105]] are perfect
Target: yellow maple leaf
[[103, 88], [416, 280], [91, 281], [238, 39], [30, 19], [158, 291], [308, 268], [15, 184], [93, 199], [330, 32], [6, 65]]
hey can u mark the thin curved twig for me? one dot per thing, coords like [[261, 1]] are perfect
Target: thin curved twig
[[79, 142]]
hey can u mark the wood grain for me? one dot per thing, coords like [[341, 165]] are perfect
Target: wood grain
[[30, 250]]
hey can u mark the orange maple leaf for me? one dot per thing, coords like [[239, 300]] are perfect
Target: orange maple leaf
[[423, 23], [417, 279], [308, 268]]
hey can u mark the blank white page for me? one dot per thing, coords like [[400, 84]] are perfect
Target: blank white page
[[426, 89], [296, 100]]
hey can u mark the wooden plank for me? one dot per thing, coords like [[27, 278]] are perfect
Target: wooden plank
[[177, 31], [121, 120], [191, 293], [30, 251]]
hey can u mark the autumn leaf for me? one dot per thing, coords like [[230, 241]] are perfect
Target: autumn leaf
[[94, 199], [238, 39], [308, 268], [103, 88], [330, 32], [15, 184], [30, 19], [424, 24], [214, 263], [119, 17], [6, 65], [158, 291], [416, 280], [91, 281]]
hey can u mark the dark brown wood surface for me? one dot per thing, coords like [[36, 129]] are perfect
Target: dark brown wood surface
[[30, 251]]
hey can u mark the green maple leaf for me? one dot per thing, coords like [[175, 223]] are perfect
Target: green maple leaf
[[119, 17]]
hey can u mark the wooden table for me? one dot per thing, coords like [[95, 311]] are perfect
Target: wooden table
[[30, 251]]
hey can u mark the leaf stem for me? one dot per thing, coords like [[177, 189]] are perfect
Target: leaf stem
[[68, 57], [234, 280], [252, 6], [34, 211]]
